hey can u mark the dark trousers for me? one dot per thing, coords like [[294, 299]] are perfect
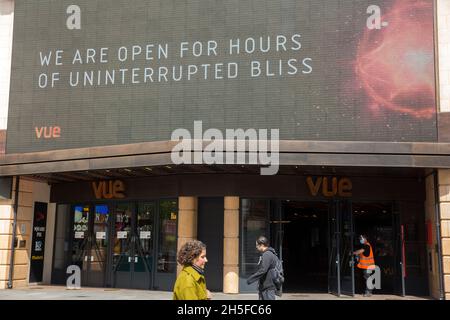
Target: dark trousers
[[268, 294]]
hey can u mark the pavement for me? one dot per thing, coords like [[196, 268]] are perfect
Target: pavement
[[62, 293]]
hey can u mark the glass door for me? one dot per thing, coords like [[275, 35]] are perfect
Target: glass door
[[122, 255], [133, 252], [341, 276], [90, 242], [166, 245], [143, 246], [255, 215], [334, 272], [81, 240], [99, 246], [347, 267]]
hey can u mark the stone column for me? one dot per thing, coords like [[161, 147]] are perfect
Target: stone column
[[444, 198], [187, 221], [6, 221], [231, 245]]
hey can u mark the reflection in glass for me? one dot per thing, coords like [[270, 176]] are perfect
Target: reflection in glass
[[253, 224], [122, 228], [167, 241], [100, 240], [80, 235], [146, 213]]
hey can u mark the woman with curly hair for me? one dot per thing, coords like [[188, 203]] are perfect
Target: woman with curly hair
[[191, 283]]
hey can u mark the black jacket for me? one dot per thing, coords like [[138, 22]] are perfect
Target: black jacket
[[267, 261]]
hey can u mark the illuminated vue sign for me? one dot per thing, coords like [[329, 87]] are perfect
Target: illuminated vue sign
[[104, 72]]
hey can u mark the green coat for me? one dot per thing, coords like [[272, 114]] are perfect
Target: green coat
[[190, 285]]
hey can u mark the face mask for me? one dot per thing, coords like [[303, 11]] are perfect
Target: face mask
[[361, 241]]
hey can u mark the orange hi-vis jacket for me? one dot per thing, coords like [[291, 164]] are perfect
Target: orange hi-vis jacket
[[366, 262]]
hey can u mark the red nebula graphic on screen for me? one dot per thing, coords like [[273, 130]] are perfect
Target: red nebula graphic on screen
[[395, 64]]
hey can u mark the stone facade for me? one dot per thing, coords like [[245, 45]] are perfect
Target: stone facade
[[444, 198]]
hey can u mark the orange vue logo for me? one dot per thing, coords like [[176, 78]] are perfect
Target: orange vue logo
[[109, 189], [50, 132]]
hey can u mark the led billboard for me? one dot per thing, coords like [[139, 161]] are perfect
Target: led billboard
[[106, 72]]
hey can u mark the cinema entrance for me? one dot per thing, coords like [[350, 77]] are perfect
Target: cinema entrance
[[315, 240], [119, 244]]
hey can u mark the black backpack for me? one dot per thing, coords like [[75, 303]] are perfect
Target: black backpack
[[278, 275]]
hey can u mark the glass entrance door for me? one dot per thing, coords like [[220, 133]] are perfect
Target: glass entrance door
[[143, 246], [166, 264], [90, 242], [300, 236], [347, 267], [341, 278], [133, 245], [122, 256], [80, 240]]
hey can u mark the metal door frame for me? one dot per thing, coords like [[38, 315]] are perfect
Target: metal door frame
[[134, 241], [156, 248], [89, 242], [276, 206], [335, 209]]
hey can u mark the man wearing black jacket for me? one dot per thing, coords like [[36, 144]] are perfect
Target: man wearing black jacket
[[267, 261]]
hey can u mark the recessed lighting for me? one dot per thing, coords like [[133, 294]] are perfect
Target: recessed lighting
[[149, 169], [127, 170], [168, 167]]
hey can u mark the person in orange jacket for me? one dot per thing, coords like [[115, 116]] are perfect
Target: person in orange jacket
[[366, 261]]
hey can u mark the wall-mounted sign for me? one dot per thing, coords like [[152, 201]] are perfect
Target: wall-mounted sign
[[100, 235], [330, 187], [109, 189], [79, 235], [145, 234], [122, 234], [38, 242]]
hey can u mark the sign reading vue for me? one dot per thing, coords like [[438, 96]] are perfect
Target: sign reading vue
[[38, 243], [109, 189], [330, 187]]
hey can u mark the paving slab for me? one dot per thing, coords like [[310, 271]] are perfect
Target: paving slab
[[62, 293]]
